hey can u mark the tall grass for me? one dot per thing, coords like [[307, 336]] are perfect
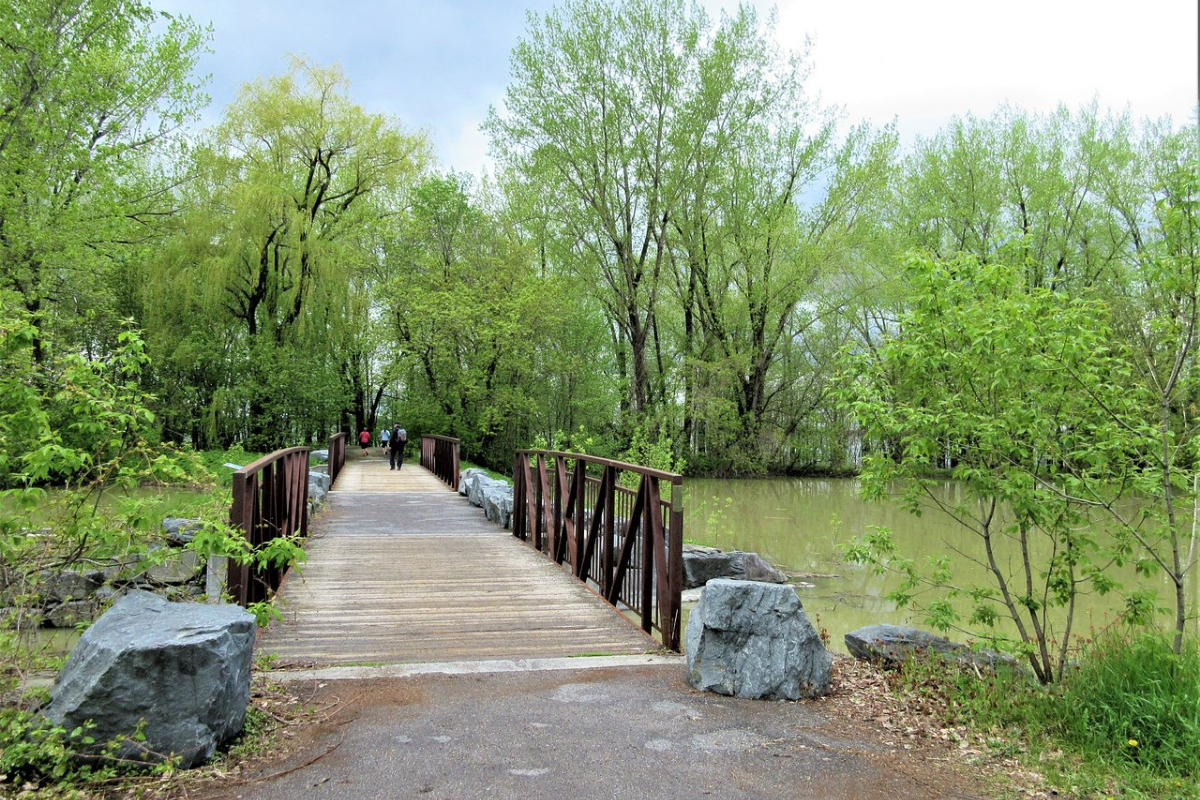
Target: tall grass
[[1124, 721], [1134, 701]]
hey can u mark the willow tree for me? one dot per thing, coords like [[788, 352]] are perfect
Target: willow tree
[[290, 193], [92, 95]]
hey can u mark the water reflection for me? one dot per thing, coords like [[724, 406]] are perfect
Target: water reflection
[[801, 524]]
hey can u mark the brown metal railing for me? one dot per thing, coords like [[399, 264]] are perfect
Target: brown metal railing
[[337, 455], [439, 455], [270, 499], [627, 543]]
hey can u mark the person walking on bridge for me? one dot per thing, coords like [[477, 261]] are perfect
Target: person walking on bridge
[[396, 447], [383, 438], [364, 438]]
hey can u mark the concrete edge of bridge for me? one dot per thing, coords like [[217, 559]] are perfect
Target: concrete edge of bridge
[[352, 673]]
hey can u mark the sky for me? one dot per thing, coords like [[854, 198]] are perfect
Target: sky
[[438, 65]]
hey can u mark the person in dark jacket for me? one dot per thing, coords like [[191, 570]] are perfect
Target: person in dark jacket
[[396, 447]]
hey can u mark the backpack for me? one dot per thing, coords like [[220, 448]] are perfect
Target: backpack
[[403, 435]]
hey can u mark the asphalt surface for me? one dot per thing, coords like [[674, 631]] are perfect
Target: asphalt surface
[[612, 732]]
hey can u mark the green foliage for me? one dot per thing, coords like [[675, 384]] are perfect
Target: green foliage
[[1123, 721], [656, 452], [1133, 701], [1024, 392], [95, 94], [83, 469], [464, 307], [31, 748]]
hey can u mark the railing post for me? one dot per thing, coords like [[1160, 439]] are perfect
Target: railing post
[[240, 517], [337, 455], [672, 628], [608, 535]]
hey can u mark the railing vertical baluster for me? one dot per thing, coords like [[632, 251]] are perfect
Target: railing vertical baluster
[[609, 537], [545, 505], [649, 510], [579, 484]]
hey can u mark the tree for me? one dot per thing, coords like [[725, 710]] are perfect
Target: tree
[[92, 97], [463, 309], [281, 239], [1024, 189], [1158, 303], [1026, 390], [592, 117]]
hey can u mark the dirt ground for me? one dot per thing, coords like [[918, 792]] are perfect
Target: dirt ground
[[637, 732]]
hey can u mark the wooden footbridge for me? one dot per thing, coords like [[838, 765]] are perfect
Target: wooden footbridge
[[402, 569]]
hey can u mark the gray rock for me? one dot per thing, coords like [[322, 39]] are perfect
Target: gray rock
[[498, 503], [468, 477], [179, 672], [179, 566], [318, 455], [702, 564], [475, 487], [59, 586], [71, 613], [753, 639], [892, 645], [180, 531], [318, 487]]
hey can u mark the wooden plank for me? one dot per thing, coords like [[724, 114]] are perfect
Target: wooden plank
[[403, 570]]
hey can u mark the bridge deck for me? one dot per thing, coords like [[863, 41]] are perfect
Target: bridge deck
[[402, 570]]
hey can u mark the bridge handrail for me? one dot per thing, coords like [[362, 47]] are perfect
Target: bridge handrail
[[270, 499], [337, 455], [627, 543], [439, 455]]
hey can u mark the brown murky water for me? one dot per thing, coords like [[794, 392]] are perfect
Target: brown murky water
[[801, 525]]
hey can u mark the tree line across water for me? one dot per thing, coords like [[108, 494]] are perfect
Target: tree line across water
[[681, 259]]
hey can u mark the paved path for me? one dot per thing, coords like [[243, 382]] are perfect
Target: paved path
[[401, 569], [628, 732]]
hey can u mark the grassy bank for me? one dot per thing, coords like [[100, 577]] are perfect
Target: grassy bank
[[1124, 721]]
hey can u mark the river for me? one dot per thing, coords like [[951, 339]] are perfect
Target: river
[[801, 525]]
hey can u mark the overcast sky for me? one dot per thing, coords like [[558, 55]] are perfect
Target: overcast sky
[[439, 65]]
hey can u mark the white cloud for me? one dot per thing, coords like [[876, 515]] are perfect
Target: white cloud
[[925, 61], [467, 149]]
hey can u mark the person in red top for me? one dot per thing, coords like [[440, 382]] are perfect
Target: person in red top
[[364, 439]]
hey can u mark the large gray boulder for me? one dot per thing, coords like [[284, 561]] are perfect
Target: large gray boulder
[[318, 486], [468, 478], [179, 672], [753, 639], [498, 503], [892, 645], [476, 487], [702, 564]]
